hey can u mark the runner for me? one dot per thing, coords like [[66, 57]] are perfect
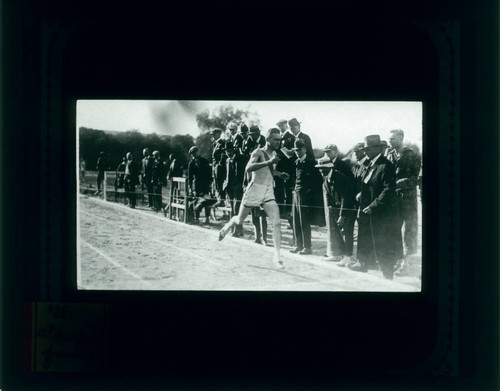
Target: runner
[[260, 191]]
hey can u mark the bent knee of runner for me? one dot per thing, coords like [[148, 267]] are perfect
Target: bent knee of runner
[[240, 218]]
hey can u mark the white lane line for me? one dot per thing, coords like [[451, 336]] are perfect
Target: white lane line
[[113, 262], [183, 250], [169, 245]]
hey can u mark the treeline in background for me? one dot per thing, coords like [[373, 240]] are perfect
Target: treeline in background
[[116, 145]]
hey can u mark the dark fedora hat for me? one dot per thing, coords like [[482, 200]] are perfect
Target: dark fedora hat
[[373, 141], [293, 122]]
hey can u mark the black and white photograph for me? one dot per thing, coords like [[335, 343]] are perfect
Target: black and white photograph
[[249, 195]]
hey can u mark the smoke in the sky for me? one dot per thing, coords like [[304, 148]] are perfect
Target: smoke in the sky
[[175, 117]]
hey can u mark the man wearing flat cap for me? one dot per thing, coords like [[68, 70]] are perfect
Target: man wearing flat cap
[[218, 164], [131, 178], [100, 167], [157, 180], [407, 165], [302, 212], [299, 135], [235, 137], [340, 187], [199, 180], [147, 166], [379, 235]]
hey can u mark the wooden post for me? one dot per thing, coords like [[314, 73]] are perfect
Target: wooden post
[[185, 203], [104, 186], [171, 198]]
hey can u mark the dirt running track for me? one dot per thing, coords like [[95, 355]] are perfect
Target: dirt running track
[[126, 249]]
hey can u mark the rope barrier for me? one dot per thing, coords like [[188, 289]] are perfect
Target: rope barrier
[[144, 193]]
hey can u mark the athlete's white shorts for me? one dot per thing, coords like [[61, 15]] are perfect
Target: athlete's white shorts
[[257, 195]]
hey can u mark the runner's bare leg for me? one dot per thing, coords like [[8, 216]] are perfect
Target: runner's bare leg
[[239, 219], [273, 211]]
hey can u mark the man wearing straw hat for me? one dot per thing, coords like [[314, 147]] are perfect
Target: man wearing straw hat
[[339, 200]]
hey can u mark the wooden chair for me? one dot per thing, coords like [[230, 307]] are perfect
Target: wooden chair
[[178, 199]]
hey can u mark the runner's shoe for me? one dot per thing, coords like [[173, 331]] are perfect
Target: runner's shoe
[[222, 234], [278, 262]]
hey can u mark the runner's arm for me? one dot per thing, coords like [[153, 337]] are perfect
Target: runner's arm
[[254, 164]]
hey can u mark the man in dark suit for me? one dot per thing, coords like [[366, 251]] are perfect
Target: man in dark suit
[[287, 137], [157, 180], [147, 166], [340, 182], [101, 167], [233, 184], [199, 180], [378, 214], [132, 172], [120, 176], [218, 164], [359, 170], [407, 165], [236, 138], [283, 189], [295, 128], [175, 168], [302, 198], [256, 135]]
